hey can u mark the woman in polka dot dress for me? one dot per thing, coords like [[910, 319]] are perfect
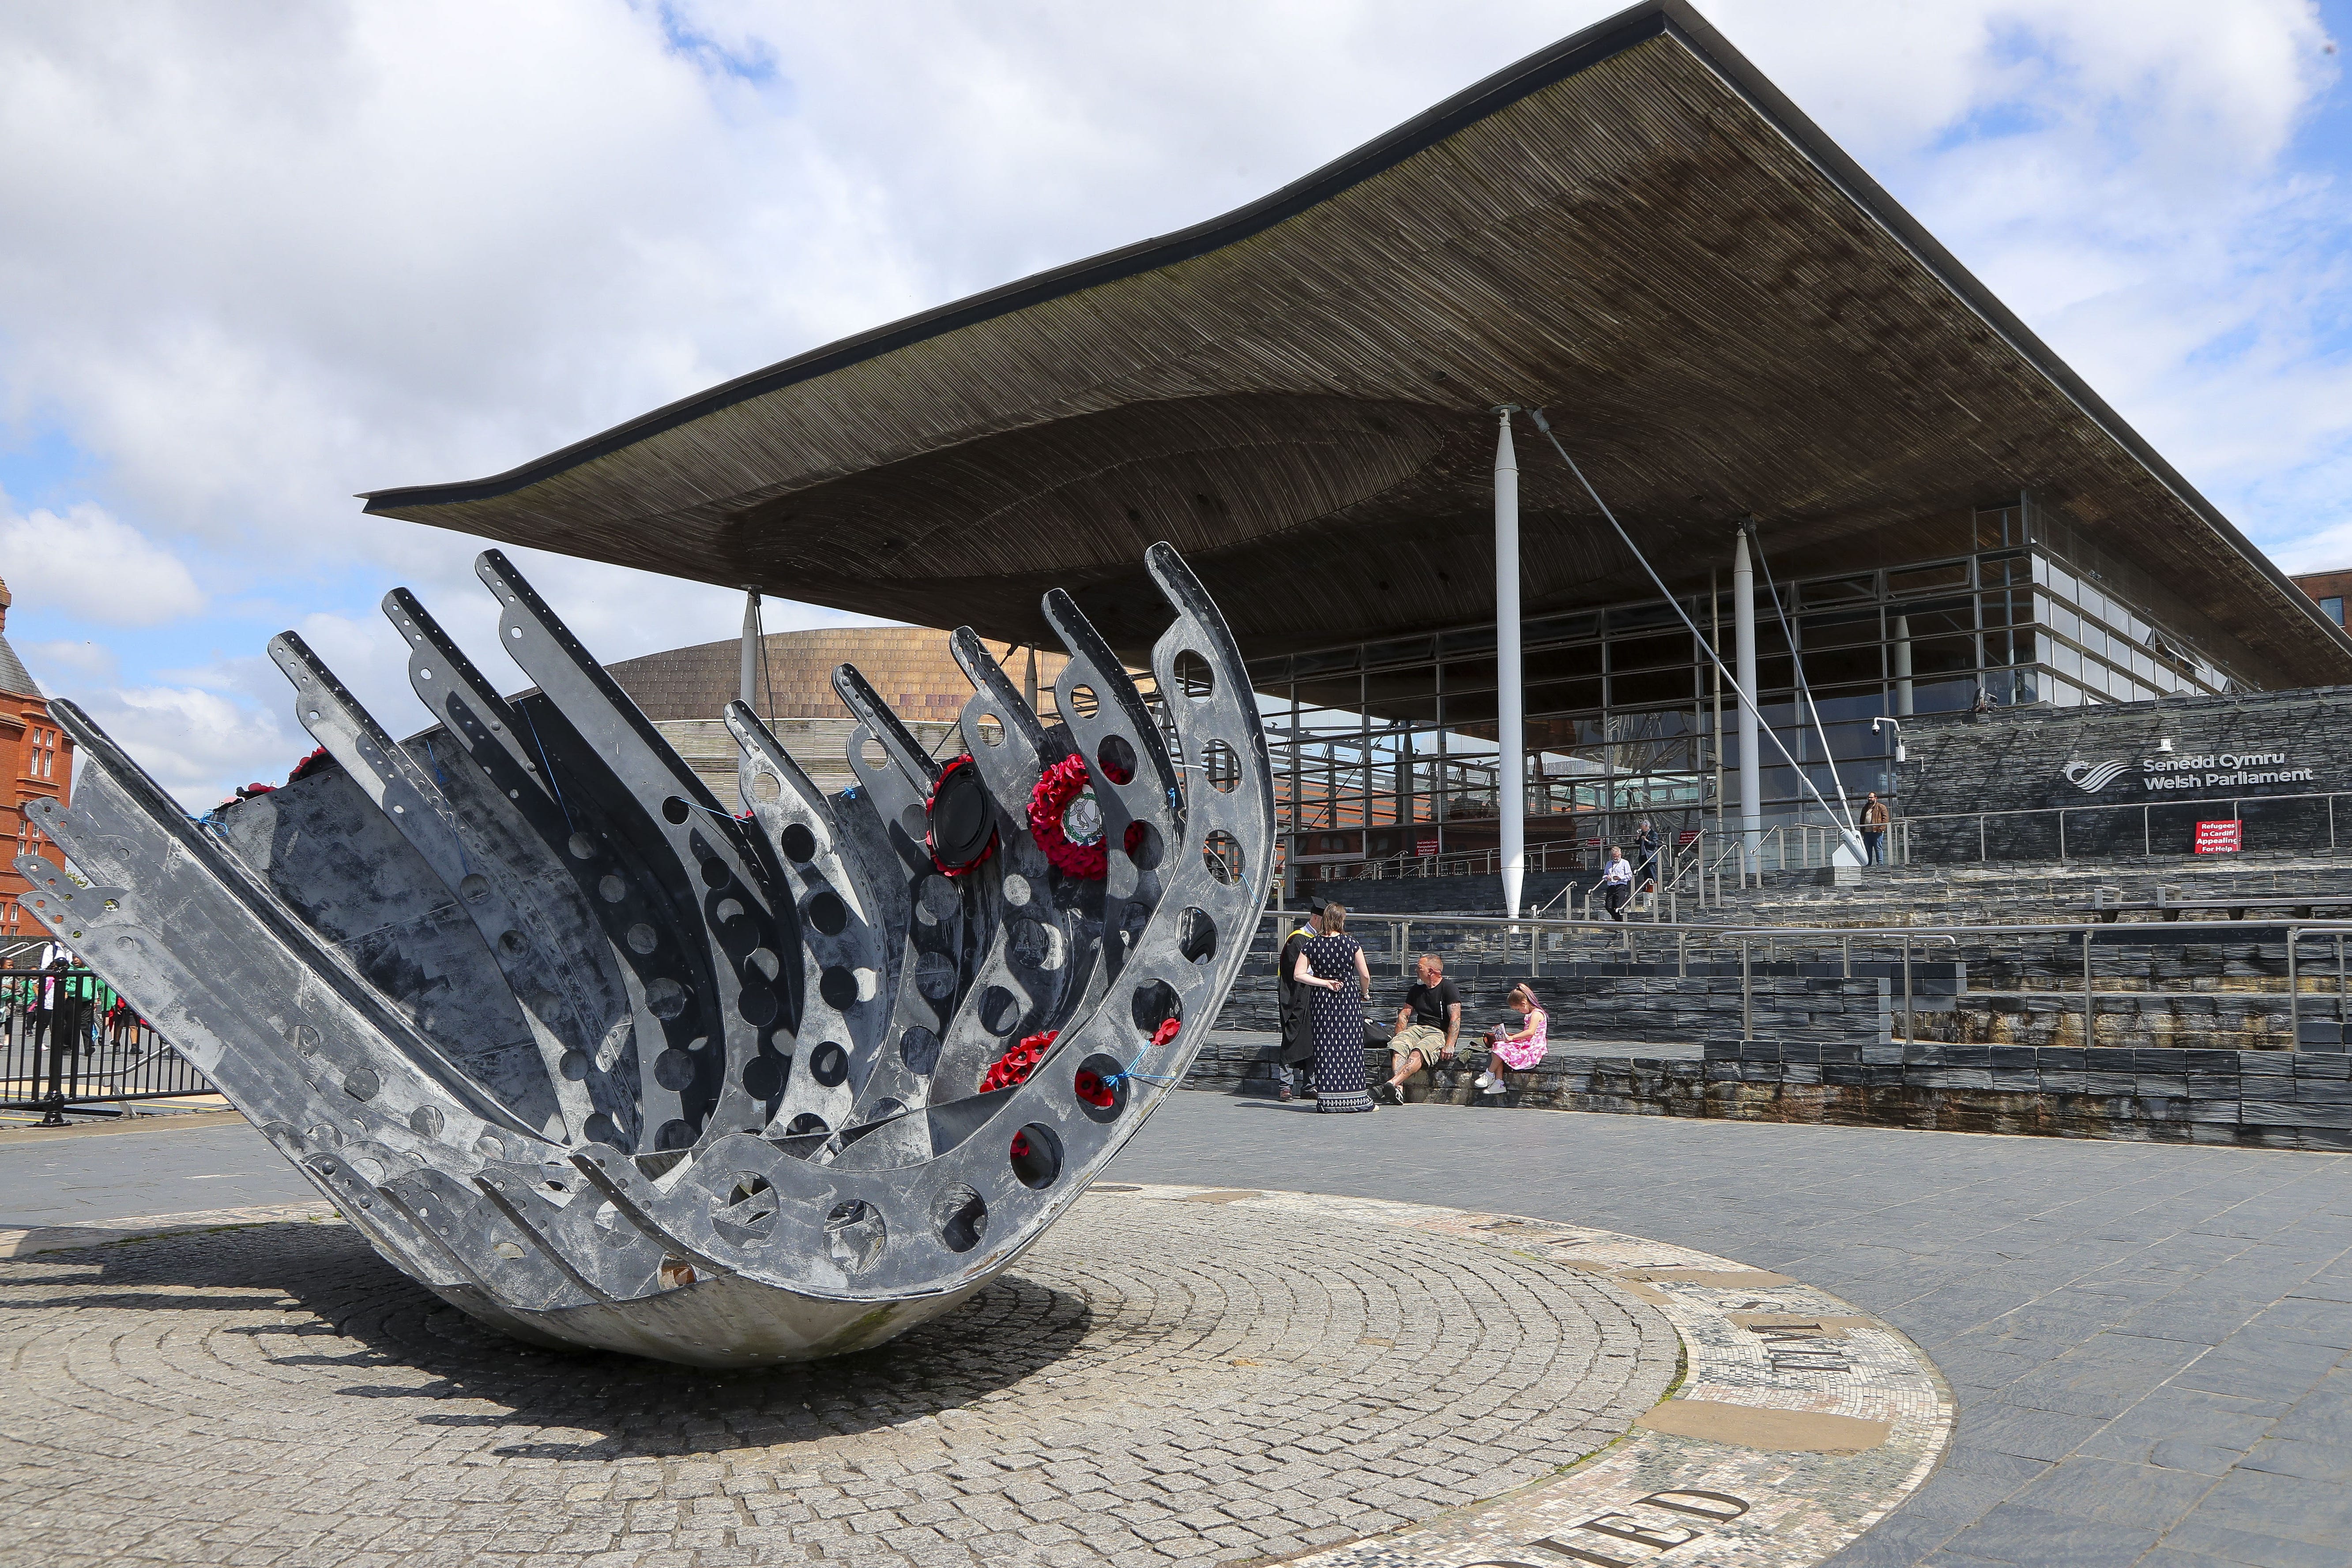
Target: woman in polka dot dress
[[1333, 968]]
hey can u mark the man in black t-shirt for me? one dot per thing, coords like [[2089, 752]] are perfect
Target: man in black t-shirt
[[1428, 1024]]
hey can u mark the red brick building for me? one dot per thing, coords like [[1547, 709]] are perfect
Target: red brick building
[[36, 760], [2329, 588]]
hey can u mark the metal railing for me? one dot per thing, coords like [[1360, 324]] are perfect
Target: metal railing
[[67, 1039], [1559, 854], [1694, 870], [2048, 832], [1500, 939], [2054, 820]]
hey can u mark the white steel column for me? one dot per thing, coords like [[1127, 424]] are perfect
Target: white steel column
[[1903, 667], [1751, 764], [751, 671], [1511, 738]]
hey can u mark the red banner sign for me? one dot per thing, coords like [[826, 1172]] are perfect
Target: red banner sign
[[1424, 846], [2221, 837], [1686, 838]]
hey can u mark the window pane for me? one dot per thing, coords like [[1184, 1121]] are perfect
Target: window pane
[[1410, 648], [1839, 666], [1656, 685], [1560, 628], [1924, 579], [1322, 663], [1565, 696], [1842, 590], [1650, 653], [1937, 615], [1469, 675], [1641, 617], [1473, 708], [1940, 656], [1477, 640], [1390, 684], [1838, 631], [1558, 663]]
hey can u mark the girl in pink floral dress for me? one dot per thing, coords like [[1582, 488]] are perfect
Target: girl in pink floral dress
[[1517, 1049]]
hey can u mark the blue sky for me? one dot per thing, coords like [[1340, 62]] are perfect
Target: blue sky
[[256, 261]]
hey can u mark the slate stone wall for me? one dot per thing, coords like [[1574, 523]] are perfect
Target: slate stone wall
[[2282, 1100], [1653, 1002], [2018, 758]]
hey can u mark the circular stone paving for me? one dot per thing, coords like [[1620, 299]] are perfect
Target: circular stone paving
[[1168, 1375]]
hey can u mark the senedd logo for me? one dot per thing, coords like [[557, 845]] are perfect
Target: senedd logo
[[2093, 777]]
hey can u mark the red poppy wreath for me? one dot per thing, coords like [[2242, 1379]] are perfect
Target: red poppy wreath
[[1067, 821], [1015, 1065]]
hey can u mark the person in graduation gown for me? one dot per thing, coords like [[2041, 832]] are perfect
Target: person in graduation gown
[[1297, 1033]]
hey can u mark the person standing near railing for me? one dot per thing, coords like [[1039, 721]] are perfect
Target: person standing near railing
[[1616, 882], [1646, 845], [45, 1021], [1874, 830]]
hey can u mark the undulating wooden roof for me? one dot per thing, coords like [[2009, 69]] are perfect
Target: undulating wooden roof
[[1721, 312]]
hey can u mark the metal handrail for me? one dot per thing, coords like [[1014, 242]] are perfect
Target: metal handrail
[[2086, 933], [1463, 862], [1902, 822], [1815, 841]]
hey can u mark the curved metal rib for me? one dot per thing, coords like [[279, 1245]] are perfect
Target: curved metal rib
[[602, 1064]]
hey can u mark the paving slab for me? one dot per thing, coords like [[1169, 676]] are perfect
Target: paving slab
[[1175, 1373], [2166, 1309], [2169, 1311]]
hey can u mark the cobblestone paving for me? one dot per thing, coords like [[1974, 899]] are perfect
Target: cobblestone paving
[[1162, 1379], [2151, 1345], [1798, 1422]]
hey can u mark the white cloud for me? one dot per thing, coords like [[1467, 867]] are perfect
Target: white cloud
[[257, 259], [2119, 173], [199, 744], [92, 566], [2321, 550], [92, 662]]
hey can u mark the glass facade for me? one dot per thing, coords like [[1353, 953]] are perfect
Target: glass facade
[[1387, 750]]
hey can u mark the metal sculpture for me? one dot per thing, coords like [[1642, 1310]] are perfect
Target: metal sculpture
[[606, 1064]]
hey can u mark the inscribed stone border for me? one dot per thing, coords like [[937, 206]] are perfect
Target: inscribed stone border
[[1737, 1468]]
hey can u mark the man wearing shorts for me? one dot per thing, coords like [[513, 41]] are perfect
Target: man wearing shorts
[[1427, 1024]]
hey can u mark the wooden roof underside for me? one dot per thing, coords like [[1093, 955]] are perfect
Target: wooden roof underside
[[1634, 230]]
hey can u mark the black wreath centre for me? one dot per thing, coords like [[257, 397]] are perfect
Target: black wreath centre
[[963, 819]]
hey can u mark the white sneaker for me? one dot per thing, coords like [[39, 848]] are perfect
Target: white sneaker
[[1497, 1086], [1483, 1079]]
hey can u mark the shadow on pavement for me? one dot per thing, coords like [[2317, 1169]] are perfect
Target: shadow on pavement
[[407, 1344]]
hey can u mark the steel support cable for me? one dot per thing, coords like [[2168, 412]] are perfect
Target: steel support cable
[[1698, 636], [1804, 687]]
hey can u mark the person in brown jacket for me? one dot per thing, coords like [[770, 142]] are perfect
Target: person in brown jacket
[[1874, 829]]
